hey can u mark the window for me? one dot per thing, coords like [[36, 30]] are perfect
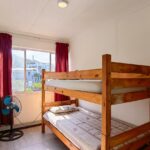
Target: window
[[53, 62], [27, 68], [35, 62], [18, 70]]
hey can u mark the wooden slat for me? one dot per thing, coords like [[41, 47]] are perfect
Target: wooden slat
[[129, 68], [106, 102], [125, 83], [59, 103], [75, 75], [137, 144], [129, 97], [91, 97], [65, 140], [123, 137], [128, 75]]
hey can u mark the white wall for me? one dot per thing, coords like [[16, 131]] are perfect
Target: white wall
[[32, 42], [127, 38], [31, 106]]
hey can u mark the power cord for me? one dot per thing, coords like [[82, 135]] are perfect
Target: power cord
[[22, 124]]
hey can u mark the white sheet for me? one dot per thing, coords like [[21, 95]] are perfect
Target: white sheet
[[83, 127], [87, 85]]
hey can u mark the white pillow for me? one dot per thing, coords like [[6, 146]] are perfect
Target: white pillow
[[63, 109]]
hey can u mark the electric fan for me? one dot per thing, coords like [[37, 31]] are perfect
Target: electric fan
[[12, 107]]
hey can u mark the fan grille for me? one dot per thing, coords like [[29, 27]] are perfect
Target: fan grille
[[18, 103]]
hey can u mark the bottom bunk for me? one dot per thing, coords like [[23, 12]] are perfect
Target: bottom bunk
[[83, 128]]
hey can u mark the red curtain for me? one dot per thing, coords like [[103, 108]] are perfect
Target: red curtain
[[61, 64], [5, 72]]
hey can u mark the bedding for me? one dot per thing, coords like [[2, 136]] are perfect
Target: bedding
[[83, 127], [87, 85], [63, 109]]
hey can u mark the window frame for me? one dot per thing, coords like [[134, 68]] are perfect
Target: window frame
[[25, 58]]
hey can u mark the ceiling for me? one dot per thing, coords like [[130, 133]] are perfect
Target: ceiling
[[45, 19]]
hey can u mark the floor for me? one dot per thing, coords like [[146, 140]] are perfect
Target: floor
[[33, 139]]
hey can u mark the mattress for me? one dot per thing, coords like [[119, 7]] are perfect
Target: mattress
[[87, 86], [83, 127]]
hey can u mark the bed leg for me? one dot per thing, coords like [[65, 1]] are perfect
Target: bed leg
[[43, 100], [77, 102], [43, 127]]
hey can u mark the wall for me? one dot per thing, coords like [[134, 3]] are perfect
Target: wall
[[127, 38], [32, 42], [31, 107]]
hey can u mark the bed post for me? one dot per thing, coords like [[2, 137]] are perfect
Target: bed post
[[43, 100], [77, 102], [106, 102]]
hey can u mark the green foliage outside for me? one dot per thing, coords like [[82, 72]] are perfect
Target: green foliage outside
[[35, 87]]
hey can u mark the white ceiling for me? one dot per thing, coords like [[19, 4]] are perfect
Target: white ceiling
[[44, 18]]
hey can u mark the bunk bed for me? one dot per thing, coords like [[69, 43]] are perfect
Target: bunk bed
[[120, 83]]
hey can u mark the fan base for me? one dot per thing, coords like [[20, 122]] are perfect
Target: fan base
[[10, 135]]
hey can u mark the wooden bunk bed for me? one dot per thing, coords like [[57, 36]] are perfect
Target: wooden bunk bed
[[113, 75]]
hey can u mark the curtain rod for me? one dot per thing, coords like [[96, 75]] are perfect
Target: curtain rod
[[37, 37]]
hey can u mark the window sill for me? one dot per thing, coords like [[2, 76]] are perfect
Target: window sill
[[26, 92]]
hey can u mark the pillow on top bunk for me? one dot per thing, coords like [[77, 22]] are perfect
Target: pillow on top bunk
[[63, 109]]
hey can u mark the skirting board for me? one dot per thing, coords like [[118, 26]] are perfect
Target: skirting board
[[21, 126]]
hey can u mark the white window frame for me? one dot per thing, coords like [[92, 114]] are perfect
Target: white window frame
[[25, 58]]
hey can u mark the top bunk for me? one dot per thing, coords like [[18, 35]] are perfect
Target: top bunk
[[123, 82]]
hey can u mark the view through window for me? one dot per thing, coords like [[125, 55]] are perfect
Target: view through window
[[18, 70], [27, 68]]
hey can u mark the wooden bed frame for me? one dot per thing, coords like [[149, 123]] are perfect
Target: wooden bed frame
[[113, 75]]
